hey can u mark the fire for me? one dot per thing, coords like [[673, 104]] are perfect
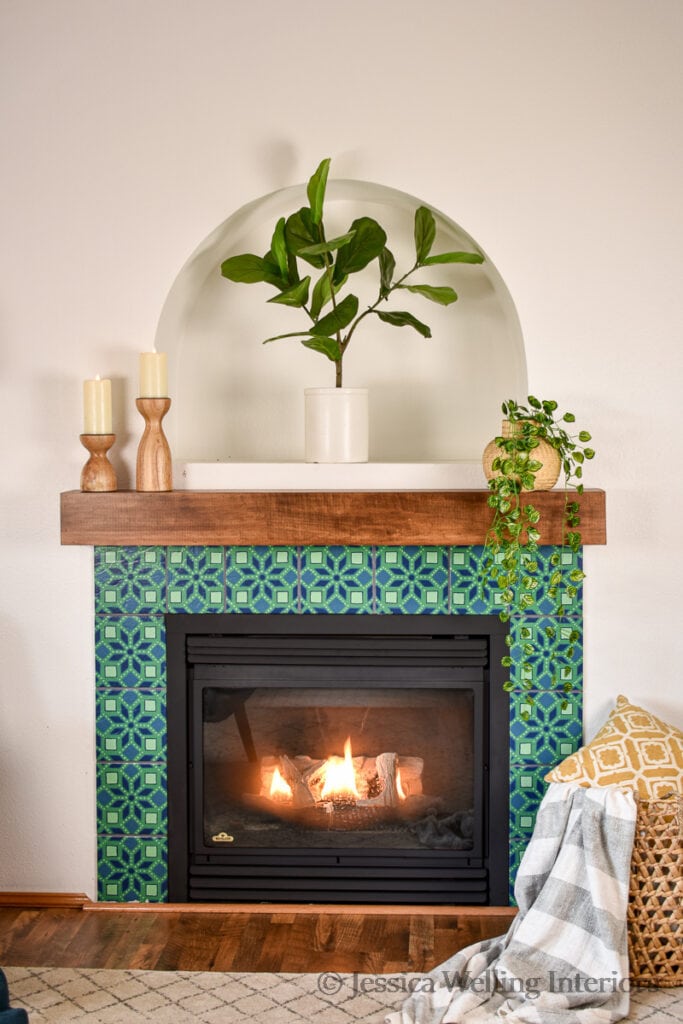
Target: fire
[[340, 777], [340, 783], [279, 788]]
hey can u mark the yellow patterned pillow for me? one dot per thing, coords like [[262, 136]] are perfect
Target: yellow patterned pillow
[[632, 749]]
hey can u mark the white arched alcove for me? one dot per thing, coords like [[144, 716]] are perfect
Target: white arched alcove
[[433, 400]]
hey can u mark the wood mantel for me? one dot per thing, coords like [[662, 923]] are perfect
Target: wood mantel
[[458, 517]]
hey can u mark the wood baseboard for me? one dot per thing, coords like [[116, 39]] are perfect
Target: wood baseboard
[[378, 909], [44, 900]]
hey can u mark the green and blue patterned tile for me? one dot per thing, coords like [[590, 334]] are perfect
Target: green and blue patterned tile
[[527, 789], [131, 725], [468, 595], [550, 731], [131, 799], [262, 580], [568, 561], [336, 580], [546, 662], [130, 580], [196, 580], [411, 580], [474, 596], [130, 651], [133, 869]]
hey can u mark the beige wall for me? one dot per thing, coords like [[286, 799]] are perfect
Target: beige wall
[[551, 131]]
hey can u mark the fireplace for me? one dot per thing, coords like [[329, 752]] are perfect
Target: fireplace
[[341, 758]]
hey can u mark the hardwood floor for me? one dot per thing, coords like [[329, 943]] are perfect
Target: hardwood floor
[[193, 940]]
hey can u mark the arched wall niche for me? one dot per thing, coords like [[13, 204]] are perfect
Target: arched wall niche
[[431, 400]]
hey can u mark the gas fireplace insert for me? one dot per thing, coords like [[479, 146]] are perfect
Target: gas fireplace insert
[[337, 759]]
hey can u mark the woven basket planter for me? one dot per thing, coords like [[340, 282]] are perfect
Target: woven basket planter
[[655, 907], [546, 477]]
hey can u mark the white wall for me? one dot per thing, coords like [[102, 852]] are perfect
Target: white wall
[[551, 131]]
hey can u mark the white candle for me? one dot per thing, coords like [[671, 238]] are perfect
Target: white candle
[[153, 375], [97, 406]]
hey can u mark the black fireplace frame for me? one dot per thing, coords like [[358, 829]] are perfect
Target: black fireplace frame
[[330, 875]]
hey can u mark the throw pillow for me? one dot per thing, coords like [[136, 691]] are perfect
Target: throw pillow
[[633, 749]]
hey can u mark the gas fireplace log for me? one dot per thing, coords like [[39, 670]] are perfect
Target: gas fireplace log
[[411, 769], [301, 794], [386, 765]]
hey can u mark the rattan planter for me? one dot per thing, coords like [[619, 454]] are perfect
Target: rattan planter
[[546, 477], [655, 907]]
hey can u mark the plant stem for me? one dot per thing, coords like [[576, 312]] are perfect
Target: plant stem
[[371, 309], [328, 272]]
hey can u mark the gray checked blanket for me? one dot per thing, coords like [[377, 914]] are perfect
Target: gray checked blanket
[[564, 959]]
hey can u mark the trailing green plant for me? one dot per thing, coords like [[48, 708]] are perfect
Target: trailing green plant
[[512, 544], [302, 237]]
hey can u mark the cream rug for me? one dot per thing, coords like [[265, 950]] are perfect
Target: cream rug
[[82, 996]]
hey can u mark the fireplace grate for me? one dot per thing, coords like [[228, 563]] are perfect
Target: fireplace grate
[[337, 878]]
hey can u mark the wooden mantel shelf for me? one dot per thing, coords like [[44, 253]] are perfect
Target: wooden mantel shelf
[[305, 517]]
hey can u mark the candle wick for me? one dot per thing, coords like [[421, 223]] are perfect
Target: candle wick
[[97, 376]]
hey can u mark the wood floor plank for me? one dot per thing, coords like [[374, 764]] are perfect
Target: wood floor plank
[[421, 943], [226, 938], [324, 933], [16, 924], [284, 941]]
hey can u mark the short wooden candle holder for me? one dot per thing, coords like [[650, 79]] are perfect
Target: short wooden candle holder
[[98, 474], [154, 470]]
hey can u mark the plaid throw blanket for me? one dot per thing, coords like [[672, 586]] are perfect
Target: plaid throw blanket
[[564, 959]]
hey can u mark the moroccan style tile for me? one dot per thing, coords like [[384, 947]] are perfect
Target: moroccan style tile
[[468, 596], [540, 567], [131, 799], [544, 605], [130, 580], [196, 581], [412, 580], [527, 789], [135, 586], [133, 868], [552, 729], [336, 580], [130, 651], [261, 579], [543, 661], [131, 725]]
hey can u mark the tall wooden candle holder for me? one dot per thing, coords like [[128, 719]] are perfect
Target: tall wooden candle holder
[[98, 474], [154, 470]]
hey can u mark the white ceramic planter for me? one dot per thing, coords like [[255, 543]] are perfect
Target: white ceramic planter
[[336, 424]]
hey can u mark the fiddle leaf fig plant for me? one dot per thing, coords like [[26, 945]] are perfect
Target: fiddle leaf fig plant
[[512, 545], [310, 271]]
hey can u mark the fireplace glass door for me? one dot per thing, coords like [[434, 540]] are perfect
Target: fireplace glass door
[[338, 767]]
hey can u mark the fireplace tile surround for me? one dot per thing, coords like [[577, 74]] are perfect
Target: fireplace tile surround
[[135, 587]]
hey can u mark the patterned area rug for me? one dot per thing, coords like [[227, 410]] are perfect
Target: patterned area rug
[[81, 996]]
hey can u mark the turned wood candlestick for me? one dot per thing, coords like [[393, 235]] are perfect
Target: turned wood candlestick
[[154, 471], [98, 473]]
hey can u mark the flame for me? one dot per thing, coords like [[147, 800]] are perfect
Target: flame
[[340, 778], [279, 788], [399, 786]]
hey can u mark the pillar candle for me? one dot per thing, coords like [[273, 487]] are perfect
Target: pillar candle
[[97, 406], [153, 375]]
